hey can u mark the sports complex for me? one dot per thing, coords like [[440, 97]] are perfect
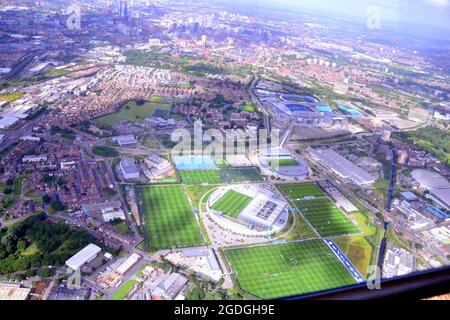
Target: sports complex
[[238, 200]]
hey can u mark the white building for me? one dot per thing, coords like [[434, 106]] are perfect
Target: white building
[[342, 167], [129, 263], [436, 184], [85, 255], [129, 169], [7, 122], [123, 141], [31, 159], [110, 214]]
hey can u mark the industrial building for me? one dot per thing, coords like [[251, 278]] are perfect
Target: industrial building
[[129, 169], [7, 122], [158, 167], [129, 263], [124, 141], [64, 293], [342, 167], [85, 255], [169, 288], [201, 261], [397, 261], [101, 208], [437, 185], [13, 291]]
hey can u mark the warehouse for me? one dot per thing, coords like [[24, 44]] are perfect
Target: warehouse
[[124, 141], [7, 122], [87, 254], [13, 291], [129, 169]]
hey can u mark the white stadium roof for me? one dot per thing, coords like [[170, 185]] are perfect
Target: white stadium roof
[[342, 167], [438, 186]]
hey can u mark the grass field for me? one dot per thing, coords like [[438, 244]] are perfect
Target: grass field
[[132, 112], [227, 175], [124, 290], [299, 191], [237, 175], [326, 218], [11, 96], [200, 176], [283, 162], [288, 269], [232, 203], [169, 218]]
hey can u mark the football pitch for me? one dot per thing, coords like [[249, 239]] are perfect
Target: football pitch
[[326, 218], [169, 218], [200, 176], [288, 269], [232, 203], [229, 175], [238, 175], [283, 163], [299, 191]]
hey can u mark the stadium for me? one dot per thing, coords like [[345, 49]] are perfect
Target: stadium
[[295, 105], [251, 210], [283, 164]]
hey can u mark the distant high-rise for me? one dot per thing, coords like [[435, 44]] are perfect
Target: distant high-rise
[[123, 8], [204, 41]]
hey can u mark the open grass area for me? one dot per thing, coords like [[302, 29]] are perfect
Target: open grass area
[[299, 191], [195, 193], [124, 290], [288, 269], [358, 250], [133, 112], [299, 229], [232, 203], [105, 151], [200, 176], [11, 97], [169, 218], [247, 108], [326, 218]]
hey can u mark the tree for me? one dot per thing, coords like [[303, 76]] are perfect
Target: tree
[[46, 198], [44, 273], [57, 205]]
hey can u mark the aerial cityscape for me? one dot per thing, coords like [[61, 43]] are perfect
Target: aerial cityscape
[[221, 150]]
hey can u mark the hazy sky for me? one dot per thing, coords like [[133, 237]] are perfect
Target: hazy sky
[[420, 12]]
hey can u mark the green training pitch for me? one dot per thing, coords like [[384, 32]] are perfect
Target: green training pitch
[[228, 175], [238, 175], [299, 191], [200, 176], [326, 218], [232, 203], [288, 269], [284, 162], [169, 218]]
